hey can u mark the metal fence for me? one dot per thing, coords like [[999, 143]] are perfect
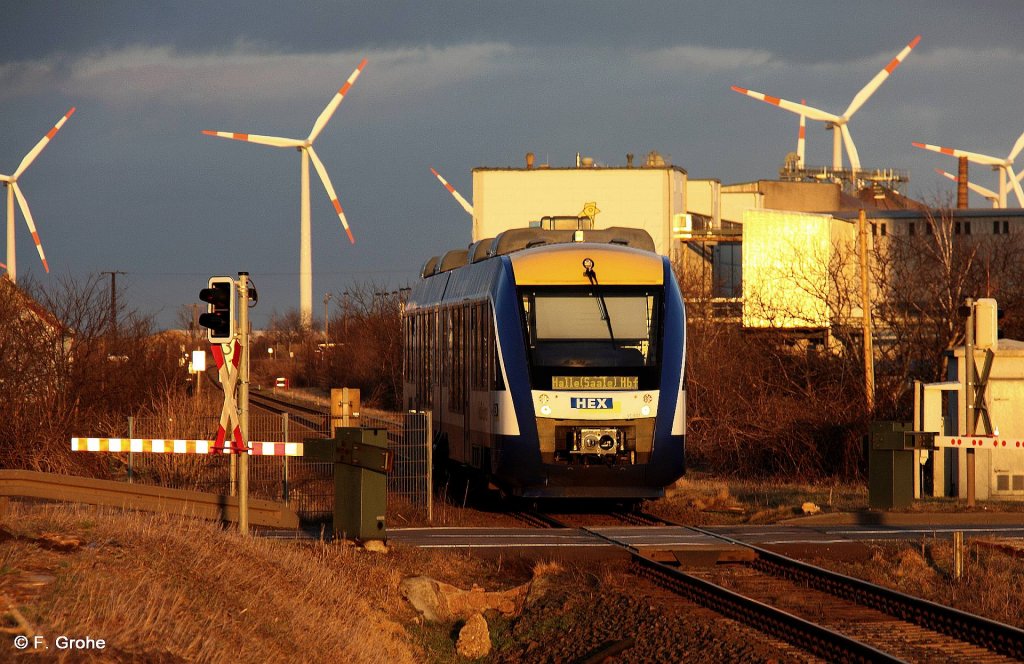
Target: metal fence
[[410, 481], [306, 486]]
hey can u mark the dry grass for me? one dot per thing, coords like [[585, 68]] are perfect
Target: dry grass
[[160, 588]]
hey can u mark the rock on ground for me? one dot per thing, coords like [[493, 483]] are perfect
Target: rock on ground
[[474, 639], [440, 602]]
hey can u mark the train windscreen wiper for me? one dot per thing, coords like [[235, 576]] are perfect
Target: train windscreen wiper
[[588, 266]]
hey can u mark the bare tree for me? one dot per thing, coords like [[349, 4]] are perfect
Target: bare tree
[[65, 372]]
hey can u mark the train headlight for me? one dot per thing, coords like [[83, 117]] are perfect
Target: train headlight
[[645, 410], [606, 443], [545, 410]]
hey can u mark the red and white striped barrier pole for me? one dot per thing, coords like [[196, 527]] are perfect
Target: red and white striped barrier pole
[[179, 446]]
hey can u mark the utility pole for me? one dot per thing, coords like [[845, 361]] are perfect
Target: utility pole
[[113, 298], [327, 298], [865, 303], [344, 313], [243, 402], [971, 415]]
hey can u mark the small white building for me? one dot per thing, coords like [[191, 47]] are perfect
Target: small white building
[[999, 467], [651, 197]]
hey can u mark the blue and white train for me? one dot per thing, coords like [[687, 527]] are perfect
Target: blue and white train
[[553, 363]]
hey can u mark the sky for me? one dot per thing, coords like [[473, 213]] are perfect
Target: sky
[[130, 184]]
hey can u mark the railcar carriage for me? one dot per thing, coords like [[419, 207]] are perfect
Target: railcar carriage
[[552, 362]]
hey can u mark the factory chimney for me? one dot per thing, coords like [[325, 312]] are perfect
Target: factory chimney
[[629, 160], [961, 185], [529, 160]]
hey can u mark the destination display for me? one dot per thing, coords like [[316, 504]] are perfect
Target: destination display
[[595, 382]]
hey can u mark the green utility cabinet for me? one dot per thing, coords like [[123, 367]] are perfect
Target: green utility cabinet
[[890, 465], [361, 462]]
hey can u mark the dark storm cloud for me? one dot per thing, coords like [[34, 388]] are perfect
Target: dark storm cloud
[[803, 31]]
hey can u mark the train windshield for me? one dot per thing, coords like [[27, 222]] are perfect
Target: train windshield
[[604, 331]]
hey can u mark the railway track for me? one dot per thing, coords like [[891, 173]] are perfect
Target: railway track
[[828, 615], [311, 418]]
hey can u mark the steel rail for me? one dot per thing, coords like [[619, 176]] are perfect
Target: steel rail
[[68, 488], [989, 634]]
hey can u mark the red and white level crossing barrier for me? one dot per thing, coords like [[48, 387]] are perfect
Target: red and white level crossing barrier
[[979, 442], [179, 446]]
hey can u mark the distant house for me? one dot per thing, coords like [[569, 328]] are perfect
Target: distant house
[[20, 310]]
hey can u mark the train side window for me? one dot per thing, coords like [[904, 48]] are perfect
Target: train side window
[[485, 346], [474, 347], [410, 367], [430, 357]]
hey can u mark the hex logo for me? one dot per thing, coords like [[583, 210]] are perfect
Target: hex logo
[[592, 403]]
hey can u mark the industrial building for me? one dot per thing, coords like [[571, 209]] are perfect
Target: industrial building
[[731, 243]]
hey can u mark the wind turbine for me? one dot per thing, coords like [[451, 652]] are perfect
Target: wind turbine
[[305, 148], [451, 190], [978, 189], [1005, 166], [838, 121], [14, 191]]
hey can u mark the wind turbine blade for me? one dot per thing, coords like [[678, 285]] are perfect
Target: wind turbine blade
[[972, 156], [869, 89], [332, 106], [792, 107], [451, 190], [851, 149], [1017, 147], [34, 152], [275, 141], [23, 204], [319, 166], [1016, 185], [976, 188]]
